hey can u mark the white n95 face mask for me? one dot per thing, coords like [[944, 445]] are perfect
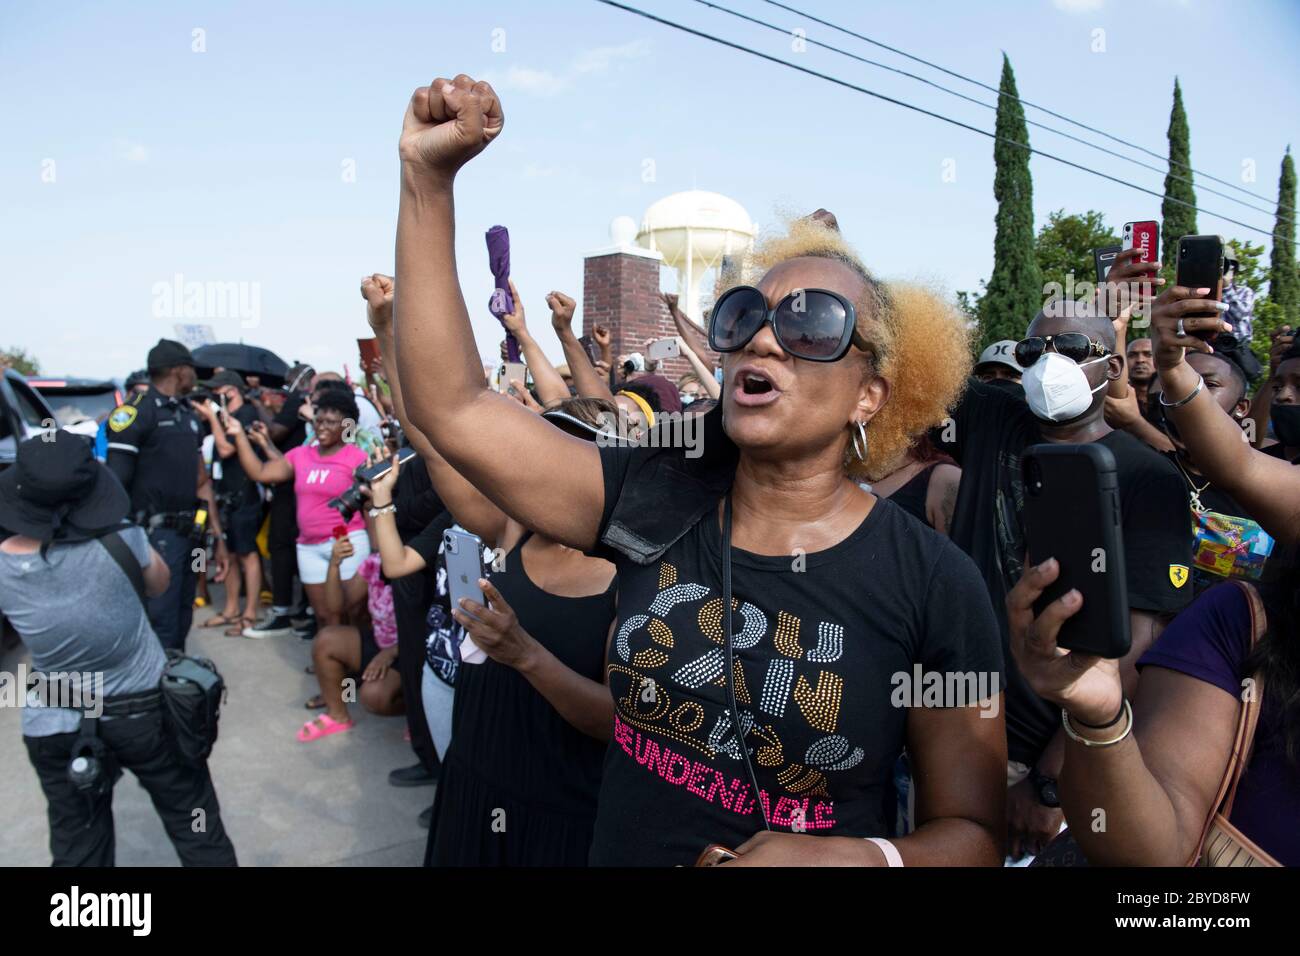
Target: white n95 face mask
[[1057, 389]]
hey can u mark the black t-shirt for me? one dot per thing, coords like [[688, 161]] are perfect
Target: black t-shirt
[[989, 432], [288, 417], [821, 641], [234, 483], [161, 435]]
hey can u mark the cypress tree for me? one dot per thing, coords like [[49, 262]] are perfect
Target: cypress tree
[[1015, 290], [1283, 283], [1179, 219]]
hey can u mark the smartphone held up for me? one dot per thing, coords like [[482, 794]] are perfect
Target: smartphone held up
[[1200, 266]]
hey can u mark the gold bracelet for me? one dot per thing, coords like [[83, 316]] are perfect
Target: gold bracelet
[[1073, 735]]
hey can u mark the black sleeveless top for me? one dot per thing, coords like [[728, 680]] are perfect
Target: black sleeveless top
[[513, 760], [911, 497]]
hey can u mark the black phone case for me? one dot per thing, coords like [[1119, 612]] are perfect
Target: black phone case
[[1071, 511], [1200, 266], [1103, 257]]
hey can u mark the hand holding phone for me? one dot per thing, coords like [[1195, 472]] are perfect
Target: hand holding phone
[[1071, 513], [513, 370], [463, 554], [1144, 237], [661, 349], [1200, 266]]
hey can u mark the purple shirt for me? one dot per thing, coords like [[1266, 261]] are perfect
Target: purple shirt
[[1211, 641]]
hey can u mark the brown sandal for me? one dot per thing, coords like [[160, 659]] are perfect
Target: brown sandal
[[219, 620], [240, 624]]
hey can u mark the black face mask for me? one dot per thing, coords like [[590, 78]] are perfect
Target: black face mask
[[1008, 385], [1286, 424]]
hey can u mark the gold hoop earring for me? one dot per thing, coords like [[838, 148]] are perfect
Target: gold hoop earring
[[860, 442]]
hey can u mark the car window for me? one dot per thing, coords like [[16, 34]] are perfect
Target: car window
[[71, 407], [29, 407]]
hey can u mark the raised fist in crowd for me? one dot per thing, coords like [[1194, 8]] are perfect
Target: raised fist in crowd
[[447, 124], [562, 308], [377, 290]]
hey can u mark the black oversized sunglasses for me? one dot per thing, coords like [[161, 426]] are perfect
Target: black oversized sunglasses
[[1075, 346], [813, 324]]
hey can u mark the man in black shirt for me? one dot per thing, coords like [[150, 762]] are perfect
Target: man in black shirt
[[154, 450], [988, 433], [239, 498]]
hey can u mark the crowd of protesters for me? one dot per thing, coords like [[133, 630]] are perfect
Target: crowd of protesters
[[675, 652]]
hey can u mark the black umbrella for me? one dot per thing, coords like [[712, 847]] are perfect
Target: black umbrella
[[245, 359]]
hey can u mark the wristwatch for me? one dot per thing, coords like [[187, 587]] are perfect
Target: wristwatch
[[1045, 787]]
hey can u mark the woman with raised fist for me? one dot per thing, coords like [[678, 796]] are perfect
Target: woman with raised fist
[[772, 615]]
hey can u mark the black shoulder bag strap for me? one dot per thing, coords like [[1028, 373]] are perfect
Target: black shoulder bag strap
[[120, 552], [731, 666]]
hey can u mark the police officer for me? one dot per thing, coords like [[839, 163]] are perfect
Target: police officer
[[154, 442]]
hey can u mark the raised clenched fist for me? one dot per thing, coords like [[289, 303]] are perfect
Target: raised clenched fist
[[561, 309], [377, 290], [447, 124]]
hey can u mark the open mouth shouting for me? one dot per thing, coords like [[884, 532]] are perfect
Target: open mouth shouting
[[754, 387]]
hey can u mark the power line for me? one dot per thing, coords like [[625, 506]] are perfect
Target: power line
[[970, 99], [1022, 102], [917, 109]]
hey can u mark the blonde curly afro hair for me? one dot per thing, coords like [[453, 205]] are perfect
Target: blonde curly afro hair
[[922, 343]]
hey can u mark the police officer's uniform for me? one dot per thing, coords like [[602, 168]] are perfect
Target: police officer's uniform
[[154, 448]]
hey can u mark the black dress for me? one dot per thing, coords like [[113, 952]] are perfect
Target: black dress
[[519, 782], [911, 496]]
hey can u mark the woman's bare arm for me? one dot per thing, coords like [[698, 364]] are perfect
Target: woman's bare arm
[[1156, 787], [702, 371], [274, 471], [548, 382], [959, 764], [472, 510], [587, 382], [483, 435], [1267, 487]]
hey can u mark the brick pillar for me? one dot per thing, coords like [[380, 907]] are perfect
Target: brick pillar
[[620, 290]]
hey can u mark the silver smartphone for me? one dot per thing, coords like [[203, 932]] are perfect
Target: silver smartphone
[[663, 349], [463, 553], [513, 371]]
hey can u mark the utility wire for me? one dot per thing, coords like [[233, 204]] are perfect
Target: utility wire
[[970, 99], [917, 109], [992, 89]]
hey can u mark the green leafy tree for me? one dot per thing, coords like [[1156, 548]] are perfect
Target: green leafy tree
[[1015, 290], [20, 360], [1283, 283], [1249, 272], [1179, 217], [1065, 243]]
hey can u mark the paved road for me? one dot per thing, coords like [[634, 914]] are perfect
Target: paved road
[[326, 803]]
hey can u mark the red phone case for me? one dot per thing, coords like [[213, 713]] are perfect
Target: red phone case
[[1143, 235]]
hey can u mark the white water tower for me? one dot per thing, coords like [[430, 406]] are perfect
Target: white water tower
[[694, 231]]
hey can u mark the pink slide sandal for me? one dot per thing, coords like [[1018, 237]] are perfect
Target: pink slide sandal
[[322, 726]]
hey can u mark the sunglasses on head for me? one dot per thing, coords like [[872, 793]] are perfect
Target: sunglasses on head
[[1076, 346], [813, 324]]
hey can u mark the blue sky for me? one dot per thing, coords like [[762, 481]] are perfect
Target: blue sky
[[228, 166]]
